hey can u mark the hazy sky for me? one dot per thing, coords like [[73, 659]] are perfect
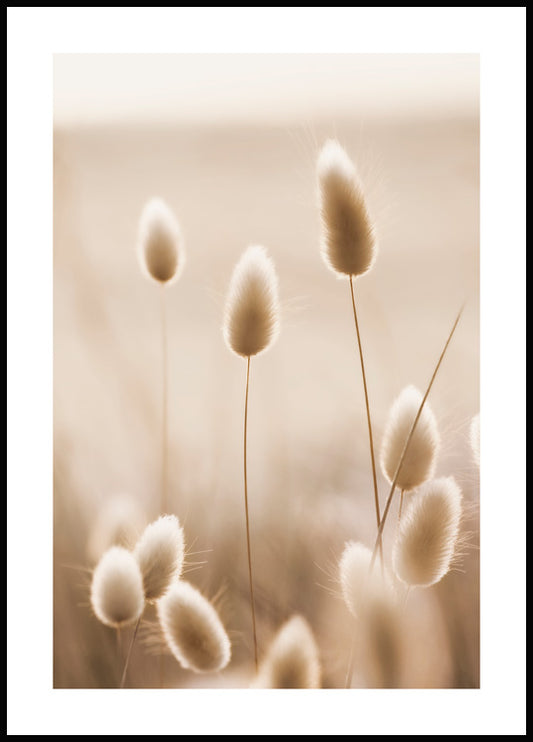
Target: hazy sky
[[260, 87]]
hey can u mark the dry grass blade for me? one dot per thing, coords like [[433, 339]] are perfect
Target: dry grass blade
[[411, 432]]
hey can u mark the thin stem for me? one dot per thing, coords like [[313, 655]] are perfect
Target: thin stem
[[408, 441], [401, 504], [164, 432], [129, 652], [351, 665], [371, 440], [246, 511]]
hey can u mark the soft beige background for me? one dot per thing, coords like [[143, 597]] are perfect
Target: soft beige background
[[231, 144]]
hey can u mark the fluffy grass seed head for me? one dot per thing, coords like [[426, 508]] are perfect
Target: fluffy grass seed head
[[251, 316], [353, 573], [383, 639], [161, 251], [360, 587], [348, 240], [427, 533], [117, 596], [160, 553], [370, 597], [292, 659], [421, 456], [474, 438], [193, 630]]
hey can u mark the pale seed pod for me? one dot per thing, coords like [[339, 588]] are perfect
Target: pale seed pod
[[427, 533], [193, 630], [251, 316], [360, 585], [353, 573], [117, 596], [382, 636], [292, 659], [160, 246], [421, 457], [348, 241], [160, 553]]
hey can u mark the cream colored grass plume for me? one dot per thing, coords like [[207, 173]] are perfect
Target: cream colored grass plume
[[162, 258], [348, 244], [348, 234], [160, 245], [382, 639], [421, 457], [193, 630], [251, 325], [358, 584], [370, 598], [117, 596], [160, 553], [251, 319], [292, 659], [410, 436], [427, 535]]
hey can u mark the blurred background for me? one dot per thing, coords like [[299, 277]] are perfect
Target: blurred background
[[230, 142]]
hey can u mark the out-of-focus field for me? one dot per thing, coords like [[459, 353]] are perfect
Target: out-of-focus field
[[310, 481]]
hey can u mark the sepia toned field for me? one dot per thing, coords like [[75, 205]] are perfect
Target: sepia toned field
[[309, 475]]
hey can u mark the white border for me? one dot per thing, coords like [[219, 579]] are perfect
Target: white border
[[34, 34]]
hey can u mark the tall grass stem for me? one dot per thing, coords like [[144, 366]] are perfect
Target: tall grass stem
[[351, 665], [123, 680], [393, 484], [164, 413], [246, 512], [370, 437]]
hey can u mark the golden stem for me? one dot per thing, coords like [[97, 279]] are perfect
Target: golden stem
[[246, 512], [164, 432], [408, 441], [371, 440], [401, 504], [351, 664], [129, 652]]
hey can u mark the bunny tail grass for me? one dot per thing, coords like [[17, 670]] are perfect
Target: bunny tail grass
[[420, 461], [348, 239], [348, 243], [117, 596], [162, 257], [160, 553], [160, 243], [250, 326], [361, 590], [251, 314], [193, 630], [246, 512], [370, 437], [292, 659], [400, 462], [427, 535]]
